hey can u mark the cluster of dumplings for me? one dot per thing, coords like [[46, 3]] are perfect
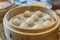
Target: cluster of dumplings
[[34, 20]]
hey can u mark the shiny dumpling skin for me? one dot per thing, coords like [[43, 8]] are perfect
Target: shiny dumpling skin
[[24, 26], [38, 26], [39, 13], [27, 13], [47, 23], [35, 17], [30, 21], [47, 17], [16, 21]]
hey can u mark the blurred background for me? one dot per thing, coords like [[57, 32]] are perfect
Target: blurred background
[[55, 3]]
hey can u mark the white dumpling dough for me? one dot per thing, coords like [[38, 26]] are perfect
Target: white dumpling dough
[[47, 23], [24, 26], [30, 21], [27, 13], [35, 17], [16, 21], [47, 17], [37, 26], [39, 13]]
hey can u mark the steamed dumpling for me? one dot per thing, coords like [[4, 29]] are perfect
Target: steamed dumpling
[[47, 23], [27, 13], [35, 17], [37, 26], [24, 26], [30, 21], [39, 13], [16, 22], [47, 17]]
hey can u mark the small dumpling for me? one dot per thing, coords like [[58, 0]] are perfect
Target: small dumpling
[[47, 17], [30, 21], [37, 26], [27, 13], [47, 23], [24, 26], [16, 21], [35, 17], [39, 13]]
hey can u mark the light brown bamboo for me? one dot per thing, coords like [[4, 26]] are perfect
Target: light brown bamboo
[[14, 33]]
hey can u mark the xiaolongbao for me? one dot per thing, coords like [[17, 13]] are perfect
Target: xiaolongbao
[[16, 21], [24, 26], [47, 17], [47, 23], [37, 26], [27, 13], [39, 13], [35, 17], [30, 21]]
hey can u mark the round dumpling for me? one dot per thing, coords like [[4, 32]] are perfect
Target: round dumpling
[[24, 26], [16, 22], [30, 21], [37, 26], [39, 13], [35, 17], [47, 23], [47, 17], [27, 13]]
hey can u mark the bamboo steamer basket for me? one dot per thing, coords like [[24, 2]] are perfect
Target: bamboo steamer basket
[[58, 13], [3, 11], [15, 33]]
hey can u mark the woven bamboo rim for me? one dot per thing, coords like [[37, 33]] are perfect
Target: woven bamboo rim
[[59, 18]]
